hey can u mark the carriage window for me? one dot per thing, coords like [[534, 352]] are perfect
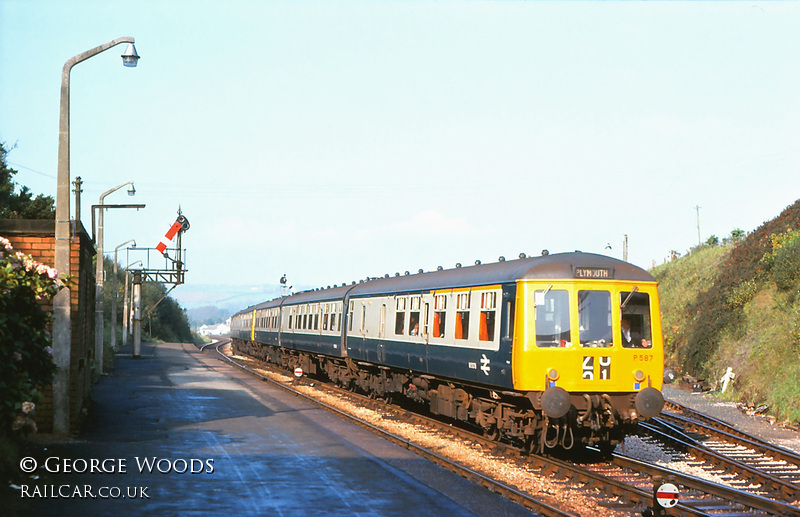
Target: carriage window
[[399, 321], [462, 316], [552, 320], [594, 315], [439, 306], [325, 321], [635, 329], [488, 305], [413, 323], [400, 316], [350, 311]]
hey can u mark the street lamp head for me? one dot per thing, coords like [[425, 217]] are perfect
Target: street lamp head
[[132, 191], [130, 57]]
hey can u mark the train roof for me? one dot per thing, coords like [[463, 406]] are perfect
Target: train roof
[[555, 266]]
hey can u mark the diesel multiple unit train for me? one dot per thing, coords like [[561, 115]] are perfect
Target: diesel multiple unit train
[[551, 351]]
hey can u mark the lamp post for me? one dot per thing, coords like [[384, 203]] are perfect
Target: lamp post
[[62, 326], [114, 296], [125, 310], [100, 278]]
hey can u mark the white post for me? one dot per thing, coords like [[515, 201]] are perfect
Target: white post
[[125, 315], [137, 314]]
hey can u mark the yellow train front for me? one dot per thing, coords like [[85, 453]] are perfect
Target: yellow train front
[[588, 351]]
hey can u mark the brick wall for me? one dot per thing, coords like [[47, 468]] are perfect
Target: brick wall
[[37, 238]]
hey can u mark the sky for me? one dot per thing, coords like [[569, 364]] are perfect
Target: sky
[[332, 141]]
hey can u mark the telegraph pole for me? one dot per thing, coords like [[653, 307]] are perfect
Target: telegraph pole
[[697, 208], [625, 248]]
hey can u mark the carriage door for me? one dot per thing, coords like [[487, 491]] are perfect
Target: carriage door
[[381, 334]]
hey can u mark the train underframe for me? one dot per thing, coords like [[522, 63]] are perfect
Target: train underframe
[[535, 420]]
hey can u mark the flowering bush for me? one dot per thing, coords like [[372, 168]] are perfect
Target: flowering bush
[[26, 358]]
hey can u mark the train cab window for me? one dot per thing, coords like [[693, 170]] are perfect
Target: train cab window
[[594, 316], [635, 329], [488, 305], [552, 319], [439, 307], [462, 316]]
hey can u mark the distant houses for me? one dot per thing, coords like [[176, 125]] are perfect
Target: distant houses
[[220, 329]]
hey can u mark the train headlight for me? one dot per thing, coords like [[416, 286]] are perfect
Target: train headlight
[[552, 374], [638, 375]]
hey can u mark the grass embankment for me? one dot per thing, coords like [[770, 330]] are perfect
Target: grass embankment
[[738, 306]]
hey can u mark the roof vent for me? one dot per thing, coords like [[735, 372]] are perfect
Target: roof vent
[[407, 273], [439, 268], [397, 274], [420, 271], [501, 259], [522, 255], [477, 262], [386, 275], [545, 253], [458, 264]]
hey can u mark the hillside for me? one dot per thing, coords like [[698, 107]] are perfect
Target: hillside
[[738, 305], [207, 315]]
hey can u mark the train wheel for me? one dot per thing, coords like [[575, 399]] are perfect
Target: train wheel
[[492, 433]]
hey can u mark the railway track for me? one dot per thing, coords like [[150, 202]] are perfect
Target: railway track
[[623, 485], [749, 462]]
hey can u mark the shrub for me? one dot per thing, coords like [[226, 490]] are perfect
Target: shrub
[[786, 260], [26, 362]]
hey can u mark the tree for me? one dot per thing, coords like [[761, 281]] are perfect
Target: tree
[[167, 322], [22, 204]]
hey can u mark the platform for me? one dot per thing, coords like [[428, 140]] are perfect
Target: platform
[[179, 432]]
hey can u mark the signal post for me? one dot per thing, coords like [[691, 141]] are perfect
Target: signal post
[[172, 273]]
